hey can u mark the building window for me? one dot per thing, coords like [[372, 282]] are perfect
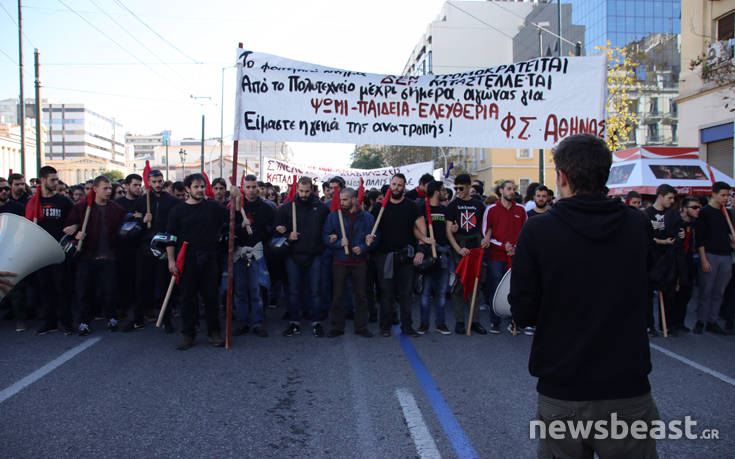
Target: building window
[[653, 133], [673, 108], [725, 27], [653, 108], [524, 153], [674, 132], [523, 185]]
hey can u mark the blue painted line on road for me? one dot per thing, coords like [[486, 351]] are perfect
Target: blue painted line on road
[[457, 437]]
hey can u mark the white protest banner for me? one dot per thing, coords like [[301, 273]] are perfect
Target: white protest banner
[[531, 104], [281, 173]]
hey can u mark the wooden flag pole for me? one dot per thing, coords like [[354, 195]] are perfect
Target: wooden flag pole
[[293, 214], [342, 227], [84, 227], [165, 301], [663, 314], [472, 305], [148, 205], [377, 221], [431, 235]]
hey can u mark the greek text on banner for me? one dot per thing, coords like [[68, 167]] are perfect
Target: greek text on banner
[[531, 104]]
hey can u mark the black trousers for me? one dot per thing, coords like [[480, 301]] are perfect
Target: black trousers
[[150, 271], [396, 288], [126, 274], [358, 274], [200, 278], [669, 295], [96, 285], [52, 284]]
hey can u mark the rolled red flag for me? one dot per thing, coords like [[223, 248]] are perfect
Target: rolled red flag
[[209, 192], [180, 260], [33, 208], [469, 269], [146, 173], [361, 191], [427, 214], [292, 190], [386, 199], [335, 203], [90, 197]]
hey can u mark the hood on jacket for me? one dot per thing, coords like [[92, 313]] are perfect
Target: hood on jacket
[[593, 216]]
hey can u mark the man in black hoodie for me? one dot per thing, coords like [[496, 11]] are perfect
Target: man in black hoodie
[[590, 351], [303, 263]]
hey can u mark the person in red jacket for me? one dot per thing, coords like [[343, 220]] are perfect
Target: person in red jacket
[[97, 265]]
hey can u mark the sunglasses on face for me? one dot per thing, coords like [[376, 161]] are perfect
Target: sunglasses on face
[[695, 207], [459, 188], [4, 188]]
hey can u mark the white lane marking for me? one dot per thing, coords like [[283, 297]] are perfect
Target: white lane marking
[[691, 363], [425, 446], [46, 369]]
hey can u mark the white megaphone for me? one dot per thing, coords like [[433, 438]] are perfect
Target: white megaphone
[[501, 306], [25, 247]]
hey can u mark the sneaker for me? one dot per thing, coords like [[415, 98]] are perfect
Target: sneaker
[[385, 333], [333, 333], [529, 331], [260, 332], [698, 328], [459, 328], [494, 329], [652, 332], [441, 328], [477, 328], [186, 343], [410, 332], [364, 332], [292, 330], [132, 326], [20, 326], [112, 325], [68, 330], [83, 329], [714, 327], [318, 330], [46, 329], [510, 328], [215, 340], [241, 330], [422, 329]]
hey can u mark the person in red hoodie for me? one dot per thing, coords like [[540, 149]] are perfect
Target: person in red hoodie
[[97, 266]]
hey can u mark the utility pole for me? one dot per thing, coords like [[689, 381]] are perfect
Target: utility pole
[[38, 112], [202, 166], [22, 110]]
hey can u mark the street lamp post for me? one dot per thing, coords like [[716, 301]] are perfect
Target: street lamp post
[[182, 155], [202, 105], [541, 26]]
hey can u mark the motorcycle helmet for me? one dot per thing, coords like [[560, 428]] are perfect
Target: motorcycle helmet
[[159, 243]]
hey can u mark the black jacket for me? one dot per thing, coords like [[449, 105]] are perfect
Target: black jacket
[[160, 208], [262, 215], [310, 219], [580, 276]]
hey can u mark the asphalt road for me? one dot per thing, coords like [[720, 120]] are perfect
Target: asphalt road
[[134, 395]]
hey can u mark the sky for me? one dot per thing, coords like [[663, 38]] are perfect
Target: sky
[[158, 65]]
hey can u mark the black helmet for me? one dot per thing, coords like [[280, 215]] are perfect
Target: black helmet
[[159, 243], [279, 245], [130, 230], [69, 245]]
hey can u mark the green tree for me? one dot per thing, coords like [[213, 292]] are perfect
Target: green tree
[[114, 176], [367, 157]]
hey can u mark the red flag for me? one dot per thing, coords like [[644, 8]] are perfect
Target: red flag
[[427, 214], [335, 203], [361, 191], [469, 269], [10, 172], [292, 191], [209, 192], [146, 172], [90, 197], [33, 207], [386, 199], [180, 260]]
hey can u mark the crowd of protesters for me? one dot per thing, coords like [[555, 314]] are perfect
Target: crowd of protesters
[[329, 253]]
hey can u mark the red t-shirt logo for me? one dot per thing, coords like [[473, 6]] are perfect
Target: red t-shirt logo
[[468, 220]]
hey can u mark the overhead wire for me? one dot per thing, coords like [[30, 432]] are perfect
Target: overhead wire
[[122, 5], [8, 56], [127, 96]]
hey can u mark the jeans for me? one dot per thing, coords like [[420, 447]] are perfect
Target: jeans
[[248, 302], [200, 277], [436, 281], [495, 272], [712, 287], [91, 276], [308, 275], [398, 287]]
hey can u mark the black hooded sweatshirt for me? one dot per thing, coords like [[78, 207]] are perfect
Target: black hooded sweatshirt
[[310, 218], [580, 276]]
